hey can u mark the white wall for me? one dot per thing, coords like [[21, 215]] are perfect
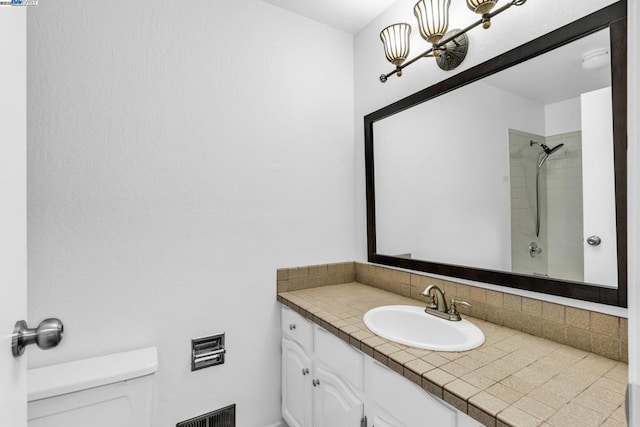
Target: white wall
[[179, 152], [434, 162], [634, 205], [562, 117], [508, 31]]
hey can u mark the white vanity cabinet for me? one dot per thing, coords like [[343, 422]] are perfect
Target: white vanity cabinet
[[314, 393], [328, 383]]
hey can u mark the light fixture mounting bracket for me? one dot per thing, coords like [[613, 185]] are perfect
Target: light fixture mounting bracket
[[453, 52]]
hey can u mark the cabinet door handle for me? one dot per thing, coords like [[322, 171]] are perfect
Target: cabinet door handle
[[305, 371], [292, 326]]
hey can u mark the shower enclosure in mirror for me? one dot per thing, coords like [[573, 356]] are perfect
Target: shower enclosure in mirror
[[512, 172]]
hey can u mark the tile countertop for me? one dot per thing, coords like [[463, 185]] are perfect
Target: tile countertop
[[513, 379]]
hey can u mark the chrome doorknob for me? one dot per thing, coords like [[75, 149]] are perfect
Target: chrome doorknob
[[47, 335], [594, 240]]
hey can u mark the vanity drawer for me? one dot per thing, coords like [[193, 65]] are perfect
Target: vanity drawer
[[343, 359], [297, 328]]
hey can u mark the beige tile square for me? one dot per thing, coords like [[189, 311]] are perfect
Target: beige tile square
[[419, 366], [512, 319], [418, 352], [548, 398], [553, 312], [578, 318], [455, 401], [565, 419], [293, 273], [587, 415], [495, 299], [591, 401], [303, 272], [619, 373], [535, 408], [282, 286], [461, 388], [282, 274], [463, 291], [492, 373], [395, 366], [607, 346], [478, 380], [532, 307], [512, 302], [531, 324], [578, 338], [477, 414], [387, 348], [439, 377], [614, 423], [504, 393], [402, 357], [401, 277], [412, 376], [604, 324], [515, 417], [478, 295], [488, 403], [495, 315], [554, 331], [469, 362], [456, 369]]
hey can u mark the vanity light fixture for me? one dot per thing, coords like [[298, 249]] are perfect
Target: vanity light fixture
[[449, 48]]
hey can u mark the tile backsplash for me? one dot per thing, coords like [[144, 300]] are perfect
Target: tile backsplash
[[598, 333]]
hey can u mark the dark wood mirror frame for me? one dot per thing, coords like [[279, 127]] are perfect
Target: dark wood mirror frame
[[612, 17]]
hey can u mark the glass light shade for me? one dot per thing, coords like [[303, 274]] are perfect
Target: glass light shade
[[433, 18], [395, 39], [481, 6]]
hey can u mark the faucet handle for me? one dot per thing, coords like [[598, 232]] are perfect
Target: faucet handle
[[431, 298], [455, 303]]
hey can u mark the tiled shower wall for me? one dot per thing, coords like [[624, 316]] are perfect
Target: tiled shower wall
[[564, 207], [522, 172], [587, 330], [560, 206]]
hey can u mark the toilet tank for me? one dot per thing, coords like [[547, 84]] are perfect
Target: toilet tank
[[106, 391]]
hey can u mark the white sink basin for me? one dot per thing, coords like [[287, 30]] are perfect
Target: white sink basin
[[409, 325]]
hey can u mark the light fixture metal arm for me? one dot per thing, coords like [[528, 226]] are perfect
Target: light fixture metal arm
[[441, 45]]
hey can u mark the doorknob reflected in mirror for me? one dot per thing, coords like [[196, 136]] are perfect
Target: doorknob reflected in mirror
[[47, 335], [594, 240]]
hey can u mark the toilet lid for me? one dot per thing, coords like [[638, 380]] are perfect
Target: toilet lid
[[83, 374]]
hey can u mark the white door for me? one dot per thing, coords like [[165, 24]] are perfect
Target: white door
[[13, 210], [334, 403], [599, 203], [296, 385]]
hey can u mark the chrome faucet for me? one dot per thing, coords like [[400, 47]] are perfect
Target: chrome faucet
[[437, 304]]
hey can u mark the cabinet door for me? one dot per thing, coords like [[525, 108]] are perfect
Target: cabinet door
[[378, 417], [404, 400], [297, 396], [335, 405]]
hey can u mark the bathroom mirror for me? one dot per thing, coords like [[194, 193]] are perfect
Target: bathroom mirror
[[512, 172]]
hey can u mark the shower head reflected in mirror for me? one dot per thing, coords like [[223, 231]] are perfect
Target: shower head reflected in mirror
[[546, 151], [542, 157]]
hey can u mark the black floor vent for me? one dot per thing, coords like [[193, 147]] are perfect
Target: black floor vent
[[225, 417]]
